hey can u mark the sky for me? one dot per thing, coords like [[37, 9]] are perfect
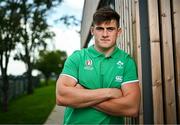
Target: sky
[[66, 39]]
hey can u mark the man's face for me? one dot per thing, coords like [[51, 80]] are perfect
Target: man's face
[[105, 34]]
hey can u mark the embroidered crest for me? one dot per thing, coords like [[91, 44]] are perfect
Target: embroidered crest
[[88, 62], [88, 65], [120, 64]]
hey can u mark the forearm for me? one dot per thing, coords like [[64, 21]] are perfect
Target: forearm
[[77, 98], [119, 107], [70, 93]]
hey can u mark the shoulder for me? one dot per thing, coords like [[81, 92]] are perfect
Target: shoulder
[[78, 53], [124, 55]]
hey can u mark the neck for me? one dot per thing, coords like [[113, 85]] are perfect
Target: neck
[[105, 51]]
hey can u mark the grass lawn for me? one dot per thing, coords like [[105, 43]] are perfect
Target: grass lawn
[[29, 109]]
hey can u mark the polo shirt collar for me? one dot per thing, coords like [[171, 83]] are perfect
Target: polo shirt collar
[[93, 51], [96, 53]]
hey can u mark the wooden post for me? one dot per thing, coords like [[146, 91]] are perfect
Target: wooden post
[[156, 61], [176, 42], [139, 58], [118, 10], [146, 62], [131, 43], [168, 63]]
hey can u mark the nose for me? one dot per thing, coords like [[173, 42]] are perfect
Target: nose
[[105, 33]]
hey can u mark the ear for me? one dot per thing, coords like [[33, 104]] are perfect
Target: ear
[[119, 31], [92, 30]]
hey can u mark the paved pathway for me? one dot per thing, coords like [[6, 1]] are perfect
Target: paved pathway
[[56, 116]]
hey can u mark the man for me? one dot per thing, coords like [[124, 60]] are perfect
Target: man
[[99, 84]]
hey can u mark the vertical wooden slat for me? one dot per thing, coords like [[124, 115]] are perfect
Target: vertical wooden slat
[[125, 28], [121, 21], [125, 24], [134, 37], [119, 7], [122, 24], [139, 64], [176, 25], [156, 61], [118, 10], [168, 67], [127, 42], [130, 27]]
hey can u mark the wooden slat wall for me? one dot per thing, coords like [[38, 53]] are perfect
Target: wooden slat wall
[[168, 62], [164, 30], [137, 39], [176, 42], [126, 39], [164, 39], [126, 23], [156, 61]]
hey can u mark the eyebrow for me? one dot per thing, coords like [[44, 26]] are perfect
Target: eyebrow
[[102, 28]]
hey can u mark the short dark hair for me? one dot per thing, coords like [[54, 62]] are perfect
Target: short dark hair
[[105, 14]]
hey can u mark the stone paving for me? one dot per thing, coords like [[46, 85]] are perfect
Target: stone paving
[[56, 116]]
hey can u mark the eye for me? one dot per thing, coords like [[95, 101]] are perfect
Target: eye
[[99, 28], [110, 29]]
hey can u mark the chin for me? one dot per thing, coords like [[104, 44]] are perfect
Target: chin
[[106, 47]]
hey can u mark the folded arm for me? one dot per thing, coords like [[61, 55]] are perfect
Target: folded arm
[[127, 105], [67, 94]]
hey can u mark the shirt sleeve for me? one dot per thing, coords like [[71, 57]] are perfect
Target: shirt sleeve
[[71, 66], [130, 73]]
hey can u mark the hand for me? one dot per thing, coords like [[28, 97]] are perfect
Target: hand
[[115, 93]]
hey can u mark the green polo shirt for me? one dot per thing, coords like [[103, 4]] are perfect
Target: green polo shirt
[[93, 70]]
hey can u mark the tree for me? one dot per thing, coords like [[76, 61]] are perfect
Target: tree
[[35, 32], [22, 21], [10, 31], [50, 62], [69, 21]]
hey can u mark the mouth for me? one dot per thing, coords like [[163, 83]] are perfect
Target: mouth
[[105, 40]]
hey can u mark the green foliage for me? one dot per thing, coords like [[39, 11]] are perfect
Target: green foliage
[[30, 109], [10, 30], [50, 62], [69, 20], [24, 28], [35, 28], [35, 33]]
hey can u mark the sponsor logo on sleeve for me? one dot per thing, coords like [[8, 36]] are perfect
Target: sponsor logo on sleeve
[[119, 78]]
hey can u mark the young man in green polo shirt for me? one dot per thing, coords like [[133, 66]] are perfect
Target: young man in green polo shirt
[[99, 84]]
